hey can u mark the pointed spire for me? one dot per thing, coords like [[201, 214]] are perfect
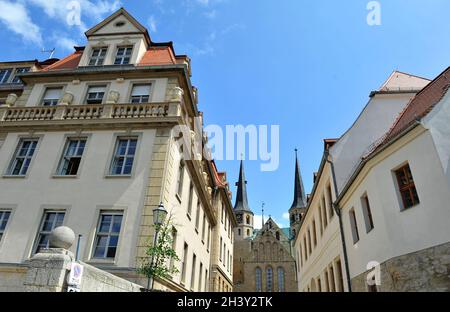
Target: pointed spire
[[241, 196], [299, 191]]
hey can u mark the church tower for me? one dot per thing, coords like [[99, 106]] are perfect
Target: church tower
[[243, 213], [298, 207]]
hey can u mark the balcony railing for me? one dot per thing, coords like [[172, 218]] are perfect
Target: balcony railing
[[90, 111]]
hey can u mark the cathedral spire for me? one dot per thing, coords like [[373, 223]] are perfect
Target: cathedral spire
[[299, 191], [241, 196]]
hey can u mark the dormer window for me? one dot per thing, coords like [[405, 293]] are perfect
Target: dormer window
[[20, 71], [95, 94], [140, 93], [51, 96], [97, 57], [123, 55], [4, 75]]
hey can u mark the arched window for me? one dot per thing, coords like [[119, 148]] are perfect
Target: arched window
[[247, 219], [269, 279], [281, 279], [239, 232], [277, 235], [258, 275]]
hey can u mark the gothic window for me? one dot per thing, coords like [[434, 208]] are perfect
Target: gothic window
[[281, 279], [269, 279], [247, 219], [277, 235], [239, 218], [258, 276]]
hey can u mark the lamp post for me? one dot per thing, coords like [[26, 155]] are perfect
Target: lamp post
[[159, 216]]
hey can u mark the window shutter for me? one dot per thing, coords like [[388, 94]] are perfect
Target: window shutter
[[141, 90], [54, 93]]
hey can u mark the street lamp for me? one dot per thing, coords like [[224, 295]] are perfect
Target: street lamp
[[159, 216]]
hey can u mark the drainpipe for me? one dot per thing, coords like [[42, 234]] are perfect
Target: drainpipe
[[337, 209]]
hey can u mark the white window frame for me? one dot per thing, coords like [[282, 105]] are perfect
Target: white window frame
[[139, 98], [65, 157], [122, 57], [5, 75], [5, 216], [99, 59], [29, 156], [97, 99], [51, 101], [19, 70], [125, 157], [42, 232], [108, 234]]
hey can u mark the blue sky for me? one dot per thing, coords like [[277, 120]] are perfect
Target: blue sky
[[307, 66]]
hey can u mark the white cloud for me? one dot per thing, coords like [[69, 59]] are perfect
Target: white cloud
[[61, 9], [257, 221], [15, 17], [211, 14], [152, 24], [286, 215], [65, 43]]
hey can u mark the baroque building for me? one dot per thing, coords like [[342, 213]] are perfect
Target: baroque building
[[263, 260], [93, 142]]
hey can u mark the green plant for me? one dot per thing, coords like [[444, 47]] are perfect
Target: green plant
[[161, 256]]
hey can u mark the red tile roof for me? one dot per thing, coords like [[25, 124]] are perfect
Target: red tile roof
[[158, 56], [419, 106], [69, 62]]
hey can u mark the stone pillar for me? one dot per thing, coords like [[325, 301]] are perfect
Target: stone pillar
[[48, 269]]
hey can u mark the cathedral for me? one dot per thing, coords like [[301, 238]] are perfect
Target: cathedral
[[264, 260]]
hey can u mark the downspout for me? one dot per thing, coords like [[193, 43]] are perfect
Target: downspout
[[337, 209]]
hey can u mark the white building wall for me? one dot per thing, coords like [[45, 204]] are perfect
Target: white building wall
[[398, 232], [83, 197], [373, 122]]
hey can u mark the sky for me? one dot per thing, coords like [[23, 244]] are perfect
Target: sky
[[307, 66]]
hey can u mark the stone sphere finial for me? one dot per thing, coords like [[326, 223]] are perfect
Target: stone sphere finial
[[62, 237]]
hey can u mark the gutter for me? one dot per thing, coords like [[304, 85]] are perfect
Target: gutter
[[337, 209]]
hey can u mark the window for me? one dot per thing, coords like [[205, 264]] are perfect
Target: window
[[224, 253], [206, 280], [107, 236], [123, 55], [367, 213], [197, 216], [277, 235], [354, 226], [95, 94], [340, 278], [247, 219], [123, 159], [200, 277], [4, 75], [4, 217], [325, 211], [22, 157], [184, 263], [97, 57], [220, 256], [191, 193], [140, 93], [174, 245], [203, 227], [209, 237], [50, 221], [314, 233], [407, 187], [258, 276], [239, 232], [71, 158], [194, 263], [180, 183], [309, 241], [281, 279], [248, 232], [269, 279], [330, 201], [332, 288], [20, 71], [222, 217], [51, 96]]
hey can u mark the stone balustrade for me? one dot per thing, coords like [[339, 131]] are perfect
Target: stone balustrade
[[90, 111]]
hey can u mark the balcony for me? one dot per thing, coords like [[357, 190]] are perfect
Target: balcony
[[90, 112]]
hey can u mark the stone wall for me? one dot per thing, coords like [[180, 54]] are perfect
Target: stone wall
[[12, 277], [48, 270], [424, 270]]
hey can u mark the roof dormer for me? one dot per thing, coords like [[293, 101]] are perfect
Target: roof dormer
[[118, 40]]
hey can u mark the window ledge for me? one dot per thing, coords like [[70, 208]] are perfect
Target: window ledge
[[124, 176], [7, 176], [57, 176], [101, 262]]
